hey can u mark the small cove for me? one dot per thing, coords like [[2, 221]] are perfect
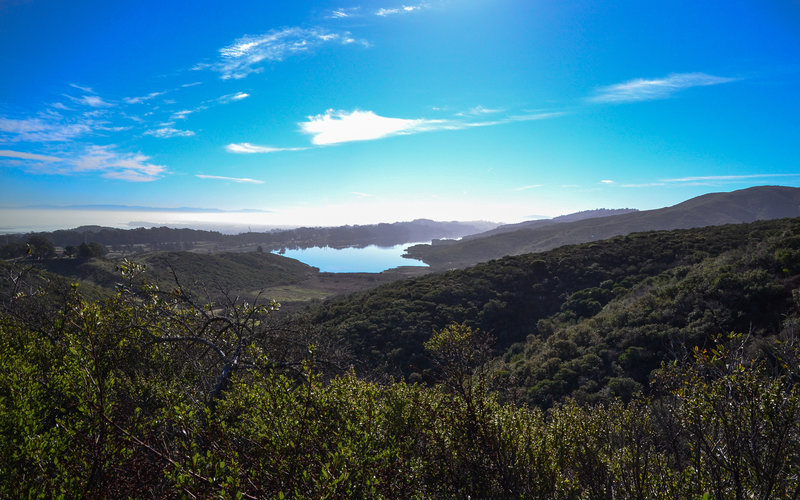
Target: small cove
[[369, 259]]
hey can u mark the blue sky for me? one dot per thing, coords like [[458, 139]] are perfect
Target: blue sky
[[323, 113]]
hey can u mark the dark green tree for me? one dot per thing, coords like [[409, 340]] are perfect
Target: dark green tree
[[40, 247], [91, 250]]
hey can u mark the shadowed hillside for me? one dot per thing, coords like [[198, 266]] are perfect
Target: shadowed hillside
[[746, 205], [665, 288], [534, 224]]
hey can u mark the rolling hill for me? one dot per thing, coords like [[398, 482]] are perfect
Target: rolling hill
[[746, 205], [534, 224], [590, 320]]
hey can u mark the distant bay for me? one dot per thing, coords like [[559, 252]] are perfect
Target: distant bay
[[369, 259]]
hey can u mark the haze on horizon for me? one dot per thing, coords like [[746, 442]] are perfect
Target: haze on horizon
[[332, 113]]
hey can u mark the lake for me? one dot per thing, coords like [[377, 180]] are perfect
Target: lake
[[370, 259]]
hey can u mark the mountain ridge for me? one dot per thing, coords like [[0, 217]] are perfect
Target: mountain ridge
[[712, 209]]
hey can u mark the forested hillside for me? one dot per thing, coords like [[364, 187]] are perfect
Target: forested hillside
[[589, 320], [241, 273]]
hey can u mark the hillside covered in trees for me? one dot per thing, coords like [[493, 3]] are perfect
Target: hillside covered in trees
[[575, 319], [654, 365]]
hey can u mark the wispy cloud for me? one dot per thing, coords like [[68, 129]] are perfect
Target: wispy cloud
[[93, 101], [336, 127], [243, 180], [247, 148], [343, 12], [362, 195], [40, 130], [606, 181], [105, 160], [133, 167], [403, 9], [167, 132], [642, 185], [247, 54], [479, 110], [182, 114], [456, 125], [642, 89], [707, 180], [88, 90], [26, 156], [525, 188], [728, 177], [238, 96], [137, 100]]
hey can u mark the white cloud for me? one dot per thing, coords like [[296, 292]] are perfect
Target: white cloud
[[137, 100], [124, 166], [643, 185], [727, 177], [247, 148], [645, 90], [238, 96], [39, 130], [88, 90], [606, 181], [90, 100], [405, 9], [525, 188], [341, 13], [247, 54], [104, 160], [181, 115], [509, 119], [167, 132], [244, 180], [478, 110], [362, 195], [335, 127], [26, 156]]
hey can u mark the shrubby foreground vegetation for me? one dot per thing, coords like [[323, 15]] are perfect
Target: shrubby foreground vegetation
[[156, 392]]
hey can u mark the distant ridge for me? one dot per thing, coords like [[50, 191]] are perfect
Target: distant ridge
[[585, 214], [339, 237], [745, 205]]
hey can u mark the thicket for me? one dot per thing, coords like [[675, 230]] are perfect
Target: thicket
[[151, 393]]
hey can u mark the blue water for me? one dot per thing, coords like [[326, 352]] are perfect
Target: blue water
[[370, 259]]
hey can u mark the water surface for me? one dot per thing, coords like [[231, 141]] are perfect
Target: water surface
[[370, 259]]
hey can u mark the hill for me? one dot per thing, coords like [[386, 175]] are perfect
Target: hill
[[127, 241], [233, 272], [746, 205], [246, 274], [590, 320], [585, 214]]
